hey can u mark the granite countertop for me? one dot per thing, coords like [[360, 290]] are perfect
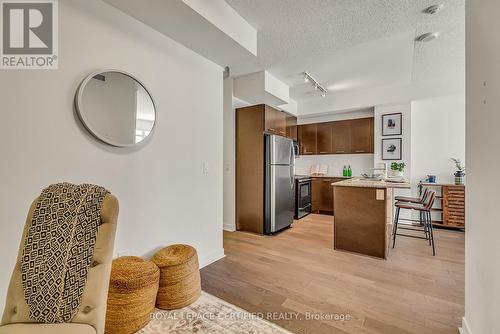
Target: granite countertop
[[364, 183]]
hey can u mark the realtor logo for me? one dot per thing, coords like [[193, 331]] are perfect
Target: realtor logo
[[29, 34]]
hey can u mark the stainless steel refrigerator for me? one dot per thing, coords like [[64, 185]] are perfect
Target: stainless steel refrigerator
[[279, 183]]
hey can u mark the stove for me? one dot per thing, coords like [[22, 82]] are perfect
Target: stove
[[302, 196]]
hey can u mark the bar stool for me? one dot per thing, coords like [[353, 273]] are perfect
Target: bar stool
[[425, 218], [418, 200]]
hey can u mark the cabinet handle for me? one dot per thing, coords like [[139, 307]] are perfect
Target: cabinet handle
[[339, 151], [323, 152], [360, 151]]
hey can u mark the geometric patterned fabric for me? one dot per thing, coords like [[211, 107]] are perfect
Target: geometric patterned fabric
[[58, 250]]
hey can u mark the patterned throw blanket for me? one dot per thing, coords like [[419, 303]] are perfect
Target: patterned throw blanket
[[58, 250]]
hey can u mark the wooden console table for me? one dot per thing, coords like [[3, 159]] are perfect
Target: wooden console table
[[449, 207]]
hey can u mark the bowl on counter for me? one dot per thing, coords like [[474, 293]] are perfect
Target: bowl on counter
[[372, 177]]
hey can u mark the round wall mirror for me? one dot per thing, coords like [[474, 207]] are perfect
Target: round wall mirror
[[116, 108]]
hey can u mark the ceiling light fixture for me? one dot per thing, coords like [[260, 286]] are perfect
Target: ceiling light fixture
[[431, 10], [315, 83], [427, 37]]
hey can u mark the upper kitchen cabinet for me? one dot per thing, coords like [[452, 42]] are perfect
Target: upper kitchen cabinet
[[324, 138], [353, 136], [275, 121], [362, 135], [307, 139], [341, 137], [291, 127]]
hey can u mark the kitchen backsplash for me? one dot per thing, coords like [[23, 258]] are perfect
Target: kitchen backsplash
[[360, 163]]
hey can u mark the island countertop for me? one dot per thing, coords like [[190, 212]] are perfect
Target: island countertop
[[364, 183]]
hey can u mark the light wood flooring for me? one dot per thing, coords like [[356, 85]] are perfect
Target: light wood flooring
[[297, 271]]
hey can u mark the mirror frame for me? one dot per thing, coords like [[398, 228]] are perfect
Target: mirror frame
[[81, 113]]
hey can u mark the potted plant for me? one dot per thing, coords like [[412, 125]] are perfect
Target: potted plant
[[397, 169], [460, 173]]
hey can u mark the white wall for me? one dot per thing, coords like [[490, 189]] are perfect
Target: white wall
[[229, 157], [438, 134], [405, 109], [482, 240], [164, 195]]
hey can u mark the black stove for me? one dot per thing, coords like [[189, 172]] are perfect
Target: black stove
[[302, 196]]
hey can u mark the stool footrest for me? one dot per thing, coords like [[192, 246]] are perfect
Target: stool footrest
[[411, 236], [410, 229]]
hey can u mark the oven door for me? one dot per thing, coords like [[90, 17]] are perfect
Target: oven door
[[303, 201]]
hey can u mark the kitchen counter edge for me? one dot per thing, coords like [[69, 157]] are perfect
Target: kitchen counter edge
[[360, 183]]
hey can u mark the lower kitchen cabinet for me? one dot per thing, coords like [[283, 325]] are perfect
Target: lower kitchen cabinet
[[315, 194], [326, 200], [322, 194]]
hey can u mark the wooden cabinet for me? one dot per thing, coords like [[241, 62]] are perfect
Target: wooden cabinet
[[275, 121], [291, 127], [322, 194], [324, 138], [354, 136], [361, 135], [251, 123], [326, 201], [449, 206], [307, 138], [341, 137], [315, 194], [454, 206], [250, 128]]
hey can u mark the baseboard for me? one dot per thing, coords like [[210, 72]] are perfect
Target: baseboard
[[465, 329], [210, 258], [229, 227]]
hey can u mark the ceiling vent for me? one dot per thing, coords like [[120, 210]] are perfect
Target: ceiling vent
[[433, 9], [427, 37]]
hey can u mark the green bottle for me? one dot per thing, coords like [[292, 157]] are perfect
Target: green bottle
[[349, 171], [344, 171]]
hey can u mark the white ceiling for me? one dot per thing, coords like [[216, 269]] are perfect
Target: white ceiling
[[351, 45]]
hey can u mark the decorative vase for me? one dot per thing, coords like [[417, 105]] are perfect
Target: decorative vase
[[395, 173], [459, 178]]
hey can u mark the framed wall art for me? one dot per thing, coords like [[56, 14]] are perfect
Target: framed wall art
[[392, 124], [392, 149]]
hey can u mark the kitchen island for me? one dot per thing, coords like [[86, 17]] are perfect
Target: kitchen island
[[363, 215]]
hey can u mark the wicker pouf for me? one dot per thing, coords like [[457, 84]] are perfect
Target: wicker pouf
[[179, 277], [132, 294]]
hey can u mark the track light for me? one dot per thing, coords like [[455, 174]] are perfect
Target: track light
[[433, 9], [427, 37], [317, 86]]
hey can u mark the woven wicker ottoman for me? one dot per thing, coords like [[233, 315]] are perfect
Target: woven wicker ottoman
[[132, 294], [179, 277]]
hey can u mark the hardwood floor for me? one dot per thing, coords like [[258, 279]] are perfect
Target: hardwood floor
[[297, 271]]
